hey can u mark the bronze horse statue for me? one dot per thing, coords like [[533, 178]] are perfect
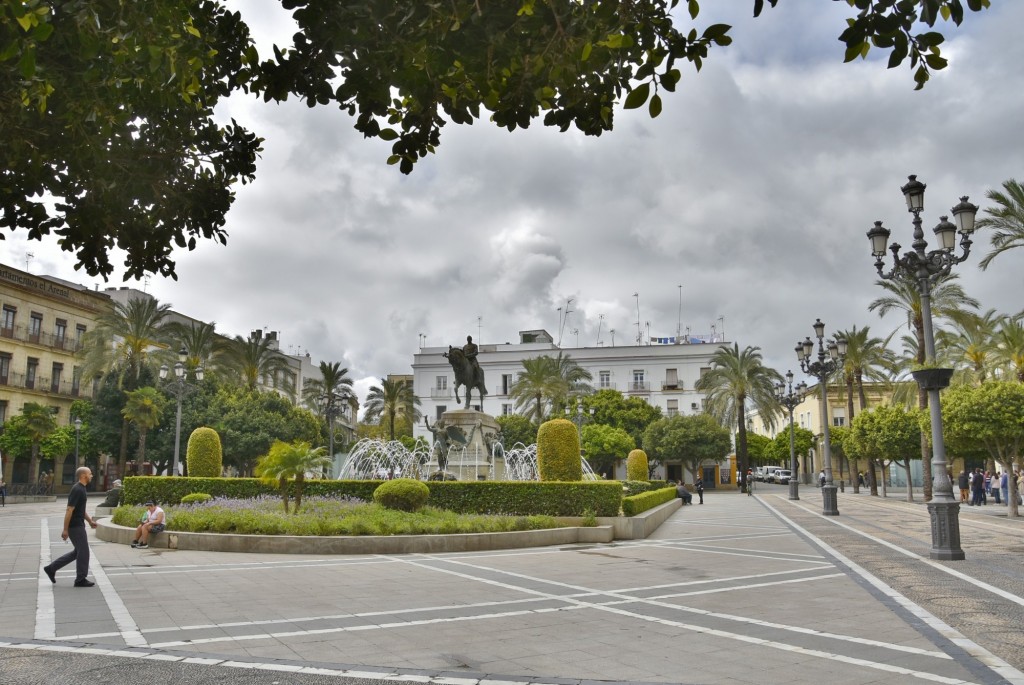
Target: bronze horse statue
[[466, 373]]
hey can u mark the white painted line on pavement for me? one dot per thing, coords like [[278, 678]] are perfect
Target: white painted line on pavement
[[917, 557], [46, 613], [129, 630], [842, 658], [986, 657]]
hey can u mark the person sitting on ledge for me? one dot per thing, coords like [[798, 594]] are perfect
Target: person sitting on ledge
[[153, 524]]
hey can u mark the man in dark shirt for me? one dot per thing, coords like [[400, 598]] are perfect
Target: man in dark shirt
[[75, 519]]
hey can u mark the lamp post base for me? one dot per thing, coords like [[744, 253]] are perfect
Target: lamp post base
[[830, 501], [794, 488], [945, 516]]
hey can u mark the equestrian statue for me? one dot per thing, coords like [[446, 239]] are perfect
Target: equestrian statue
[[467, 370]]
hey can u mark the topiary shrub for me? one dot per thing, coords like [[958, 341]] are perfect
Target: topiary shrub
[[196, 498], [636, 466], [204, 456], [558, 451], [403, 494]]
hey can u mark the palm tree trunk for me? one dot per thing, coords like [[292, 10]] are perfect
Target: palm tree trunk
[[910, 483], [926, 451], [284, 492], [922, 402], [849, 424], [741, 443], [142, 446], [299, 480], [122, 457]]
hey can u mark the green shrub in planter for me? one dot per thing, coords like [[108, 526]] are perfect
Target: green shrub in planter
[[204, 457], [636, 466], [558, 451], [403, 494], [196, 497]]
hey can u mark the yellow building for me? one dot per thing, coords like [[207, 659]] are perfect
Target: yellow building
[[42, 323]]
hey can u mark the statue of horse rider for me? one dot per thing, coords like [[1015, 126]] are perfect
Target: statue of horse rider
[[471, 350]]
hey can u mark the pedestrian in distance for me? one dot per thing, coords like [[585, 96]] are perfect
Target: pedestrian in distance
[[698, 485], [821, 479], [75, 518], [964, 483], [684, 494], [995, 488]]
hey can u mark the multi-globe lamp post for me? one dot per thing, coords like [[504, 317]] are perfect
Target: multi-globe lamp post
[[830, 358], [924, 268], [179, 387], [789, 397]]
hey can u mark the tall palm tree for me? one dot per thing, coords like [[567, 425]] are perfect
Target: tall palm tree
[[144, 408], [549, 381], [946, 298], [867, 357], [1007, 220], [736, 378], [970, 344], [534, 386], [328, 393], [40, 422], [292, 461], [200, 342], [391, 400], [1009, 342], [126, 340], [254, 358]]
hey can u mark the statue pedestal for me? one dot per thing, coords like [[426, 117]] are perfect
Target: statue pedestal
[[471, 459]]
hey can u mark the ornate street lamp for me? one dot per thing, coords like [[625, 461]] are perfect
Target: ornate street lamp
[[789, 397], [78, 427], [926, 268], [179, 387], [827, 364]]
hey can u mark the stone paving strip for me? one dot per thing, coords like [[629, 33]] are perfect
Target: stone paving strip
[[741, 589]]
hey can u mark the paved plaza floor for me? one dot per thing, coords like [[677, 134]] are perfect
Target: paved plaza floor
[[738, 590]]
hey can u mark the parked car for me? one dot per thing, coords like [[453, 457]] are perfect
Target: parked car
[[769, 472], [759, 473], [781, 476]]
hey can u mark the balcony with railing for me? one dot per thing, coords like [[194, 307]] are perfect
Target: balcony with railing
[[606, 385], [56, 342], [440, 393], [62, 387], [638, 387], [671, 386]]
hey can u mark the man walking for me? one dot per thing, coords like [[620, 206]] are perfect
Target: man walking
[[74, 529], [698, 485]]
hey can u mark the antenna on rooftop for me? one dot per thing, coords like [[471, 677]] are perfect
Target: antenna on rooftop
[[600, 322], [568, 310], [639, 335], [28, 258], [679, 320]]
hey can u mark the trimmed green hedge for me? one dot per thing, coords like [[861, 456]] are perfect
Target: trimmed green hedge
[[519, 498], [403, 494], [636, 466], [203, 454], [558, 451], [631, 506]]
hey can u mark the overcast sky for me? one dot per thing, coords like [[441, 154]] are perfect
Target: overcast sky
[[753, 191]]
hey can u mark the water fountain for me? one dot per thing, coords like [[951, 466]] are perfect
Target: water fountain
[[374, 459]]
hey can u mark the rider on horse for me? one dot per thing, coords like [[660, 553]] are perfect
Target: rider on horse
[[470, 350]]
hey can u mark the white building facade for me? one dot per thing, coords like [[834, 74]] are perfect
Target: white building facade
[[663, 375]]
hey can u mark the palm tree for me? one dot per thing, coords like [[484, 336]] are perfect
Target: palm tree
[[325, 394], [547, 381], [734, 379], [291, 461], [200, 342], [1009, 342], [1007, 219], [127, 340], [144, 408], [533, 387], [868, 358], [970, 343], [391, 400], [254, 358], [39, 422], [946, 298]]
